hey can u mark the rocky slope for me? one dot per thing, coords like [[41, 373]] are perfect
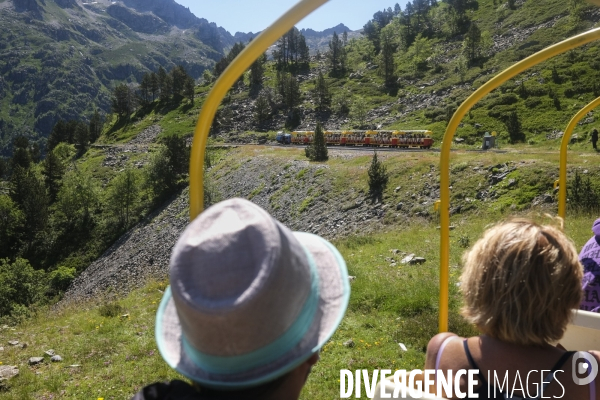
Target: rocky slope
[[308, 197]]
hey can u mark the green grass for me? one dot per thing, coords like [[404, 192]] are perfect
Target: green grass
[[389, 304]]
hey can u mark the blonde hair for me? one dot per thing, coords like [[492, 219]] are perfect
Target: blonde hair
[[520, 282]]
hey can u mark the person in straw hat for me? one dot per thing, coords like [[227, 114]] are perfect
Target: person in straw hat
[[250, 304]]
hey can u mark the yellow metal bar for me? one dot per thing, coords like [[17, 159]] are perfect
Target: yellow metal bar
[[492, 84], [240, 64], [562, 174]]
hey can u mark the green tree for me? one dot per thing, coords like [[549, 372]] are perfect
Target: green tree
[[257, 72], [21, 155], [53, 170], [289, 89], [472, 45], [77, 198], [165, 84], [167, 167], [82, 138], [179, 77], [341, 102], [154, 86], [20, 285], [12, 221], [336, 56], [387, 65], [317, 150], [58, 135], [262, 107], [322, 93], [419, 52], [513, 126], [96, 126], [144, 89], [359, 110], [123, 195], [122, 101], [27, 190], [378, 178], [189, 89]]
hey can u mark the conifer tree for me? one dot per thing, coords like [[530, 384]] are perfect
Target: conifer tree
[[337, 55], [513, 126], [154, 87], [317, 150], [189, 89], [378, 178], [53, 170], [96, 126], [322, 93], [472, 45]]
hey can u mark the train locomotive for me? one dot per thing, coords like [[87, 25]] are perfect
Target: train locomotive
[[371, 138]]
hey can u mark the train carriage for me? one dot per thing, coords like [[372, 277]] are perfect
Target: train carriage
[[370, 138]]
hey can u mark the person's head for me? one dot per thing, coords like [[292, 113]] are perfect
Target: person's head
[[596, 227], [250, 303], [520, 282]]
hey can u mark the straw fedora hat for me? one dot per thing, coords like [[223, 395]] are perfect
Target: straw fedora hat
[[249, 299]]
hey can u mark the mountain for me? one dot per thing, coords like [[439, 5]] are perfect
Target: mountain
[[61, 58]]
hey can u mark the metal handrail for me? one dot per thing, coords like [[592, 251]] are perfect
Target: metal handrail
[[562, 173], [509, 73], [231, 74]]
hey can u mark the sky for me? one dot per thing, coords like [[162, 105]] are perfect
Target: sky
[[255, 15]]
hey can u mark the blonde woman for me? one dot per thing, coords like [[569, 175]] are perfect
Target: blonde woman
[[519, 283]]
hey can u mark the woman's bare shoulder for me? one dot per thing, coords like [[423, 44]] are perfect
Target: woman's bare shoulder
[[433, 347]]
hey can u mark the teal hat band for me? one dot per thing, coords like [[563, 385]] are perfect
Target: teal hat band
[[264, 355]]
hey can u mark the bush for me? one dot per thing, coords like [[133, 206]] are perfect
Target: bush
[[110, 310], [20, 285], [61, 278]]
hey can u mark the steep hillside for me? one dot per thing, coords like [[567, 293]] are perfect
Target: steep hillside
[[430, 74], [60, 60]]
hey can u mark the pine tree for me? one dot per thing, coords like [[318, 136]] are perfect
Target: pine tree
[[189, 89], [388, 65], [96, 126], [53, 170], [257, 72], [262, 107], [179, 77], [378, 178], [144, 89], [317, 150], [322, 93], [472, 44], [513, 126], [165, 83], [21, 155], [82, 137], [337, 56], [122, 102], [154, 86]]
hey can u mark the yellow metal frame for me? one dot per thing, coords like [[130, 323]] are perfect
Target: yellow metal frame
[[238, 66], [562, 174], [509, 73]]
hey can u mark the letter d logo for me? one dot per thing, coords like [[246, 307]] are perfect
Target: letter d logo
[[589, 365]]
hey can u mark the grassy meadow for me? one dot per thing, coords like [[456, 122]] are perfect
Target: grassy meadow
[[109, 350]]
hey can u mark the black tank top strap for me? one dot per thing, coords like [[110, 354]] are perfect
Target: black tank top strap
[[473, 364], [561, 361]]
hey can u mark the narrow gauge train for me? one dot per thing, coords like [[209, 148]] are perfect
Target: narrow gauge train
[[397, 139]]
